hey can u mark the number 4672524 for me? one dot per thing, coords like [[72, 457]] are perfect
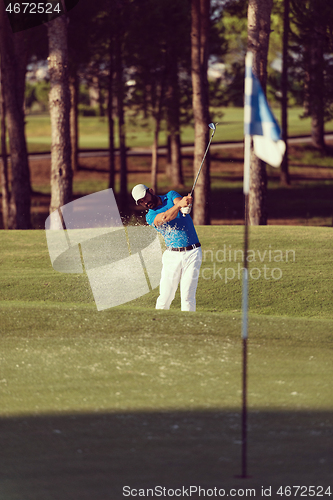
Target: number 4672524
[[33, 8], [304, 491]]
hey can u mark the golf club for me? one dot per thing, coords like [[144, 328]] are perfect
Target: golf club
[[212, 126]]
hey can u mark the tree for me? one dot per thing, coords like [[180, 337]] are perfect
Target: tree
[[284, 176], [157, 114], [313, 41], [74, 122], [82, 32], [119, 85], [159, 52], [4, 163], [13, 53], [178, 83], [59, 98], [148, 56], [173, 120], [200, 10], [97, 49], [112, 166], [259, 12]]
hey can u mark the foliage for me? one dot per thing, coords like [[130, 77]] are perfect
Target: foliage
[[30, 94], [37, 93], [232, 27], [153, 49], [86, 110], [312, 30], [42, 90], [84, 94], [153, 31]]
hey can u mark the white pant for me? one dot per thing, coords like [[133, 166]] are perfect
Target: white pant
[[180, 267]]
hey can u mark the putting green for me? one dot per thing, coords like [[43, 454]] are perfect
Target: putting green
[[95, 401], [57, 348]]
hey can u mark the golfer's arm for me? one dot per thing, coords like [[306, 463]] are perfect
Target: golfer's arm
[[169, 214]]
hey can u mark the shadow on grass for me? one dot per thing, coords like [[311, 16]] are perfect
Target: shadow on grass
[[305, 201], [92, 456], [300, 202], [227, 204]]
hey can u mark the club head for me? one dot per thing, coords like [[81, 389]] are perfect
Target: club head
[[212, 126]]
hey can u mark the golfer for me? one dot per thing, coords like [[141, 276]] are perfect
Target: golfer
[[169, 214]]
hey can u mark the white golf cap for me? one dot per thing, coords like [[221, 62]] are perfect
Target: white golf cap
[[139, 191]]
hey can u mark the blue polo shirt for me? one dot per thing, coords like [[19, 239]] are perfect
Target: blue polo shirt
[[179, 232]]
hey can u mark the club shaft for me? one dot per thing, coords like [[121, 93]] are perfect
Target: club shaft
[[203, 159]]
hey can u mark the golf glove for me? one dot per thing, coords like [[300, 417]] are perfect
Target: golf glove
[[186, 210]]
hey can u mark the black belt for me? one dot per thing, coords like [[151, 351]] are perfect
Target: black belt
[[183, 249]]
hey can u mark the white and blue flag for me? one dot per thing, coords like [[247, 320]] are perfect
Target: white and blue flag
[[259, 121]]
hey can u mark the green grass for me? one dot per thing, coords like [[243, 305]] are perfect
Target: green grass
[[308, 204], [73, 359], [92, 401], [94, 130], [300, 286], [56, 312], [308, 155]]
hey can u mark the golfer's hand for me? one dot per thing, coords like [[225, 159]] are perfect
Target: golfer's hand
[[186, 210], [186, 201]]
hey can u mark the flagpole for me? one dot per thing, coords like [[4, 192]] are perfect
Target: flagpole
[[245, 295], [260, 126], [245, 292]]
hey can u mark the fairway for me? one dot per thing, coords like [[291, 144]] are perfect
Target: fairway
[[93, 401], [93, 131]]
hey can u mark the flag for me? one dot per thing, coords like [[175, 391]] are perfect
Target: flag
[[259, 121]]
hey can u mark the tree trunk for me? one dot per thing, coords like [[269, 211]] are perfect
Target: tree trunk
[[168, 157], [313, 19], [173, 119], [307, 72], [112, 167], [13, 56], [284, 175], [59, 99], [100, 98], [4, 164], [199, 60], [157, 112], [121, 120], [74, 121], [259, 13], [176, 171], [317, 87], [154, 156]]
